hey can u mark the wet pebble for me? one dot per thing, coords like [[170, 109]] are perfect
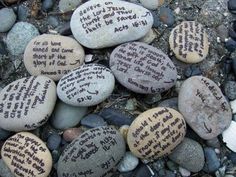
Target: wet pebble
[[47, 5], [212, 162], [230, 89], [7, 19], [54, 141], [92, 121], [128, 163], [167, 16]]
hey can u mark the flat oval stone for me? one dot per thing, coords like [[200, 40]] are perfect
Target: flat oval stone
[[121, 21], [86, 85], [95, 153], [204, 107], [156, 132], [142, 68], [52, 56], [26, 155], [189, 42], [27, 103]]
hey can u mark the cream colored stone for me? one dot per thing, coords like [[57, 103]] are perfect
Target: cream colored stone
[[156, 132], [149, 37], [189, 42], [152, 4], [26, 155], [27, 103], [53, 55]]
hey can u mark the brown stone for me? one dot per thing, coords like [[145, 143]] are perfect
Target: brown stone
[[156, 132], [72, 133]]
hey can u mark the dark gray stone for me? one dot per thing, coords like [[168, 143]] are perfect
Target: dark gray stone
[[230, 45], [171, 103], [54, 141], [232, 6], [22, 13], [47, 5], [212, 162], [167, 16], [230, 89], [92, 121], [4, 134]]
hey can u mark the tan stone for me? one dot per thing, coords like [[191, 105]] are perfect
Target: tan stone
[[72, 133], [53, 56], [156, 132], [26, 155], [189, 42]]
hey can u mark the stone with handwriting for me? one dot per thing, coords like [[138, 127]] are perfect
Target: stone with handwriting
[[53, 55], [97, 152], [204, 107], [156, 132], [189, 42], [26, 155], [87, 85], [27, 103], [143, 68], [105, 23]]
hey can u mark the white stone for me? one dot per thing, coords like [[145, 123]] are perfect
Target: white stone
[[184, 172], [151, 4], [111, 22], [128, 163], [233, 106], [88, 85], [229, 136]]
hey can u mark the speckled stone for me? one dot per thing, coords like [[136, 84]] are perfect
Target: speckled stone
[[96, 152], [203, 105], [156, 132]]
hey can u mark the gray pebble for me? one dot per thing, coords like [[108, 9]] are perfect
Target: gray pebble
[[171, 103], [53, 21], [92, 121], [212, 162], [54, 141], [7, 19], [23, 13], [167, 16], [47, 5], [230, 89]]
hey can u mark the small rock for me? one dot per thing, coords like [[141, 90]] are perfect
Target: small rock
[[67, 116], [172, 165], [215, 143], [232, 33], [232, 6], [68, 5], [227, 65], [65, 29], [53, 21], [230, 89], [233, 106], [5, 171], [232, 157], [230, 45], [54, 141], [47, 5], [7, 19], [124, 130], [184, 172], [152, 98], [149, 37], [115, 117], [189, 155], [143, 171], [212, 162], [23, 13], [92, 121], [55, 156], [192, 70], [171, 103], [222, 32], [72, 133], [152, 4], [4, 134], [228, 136], [19, 36], [166, 173], [128, 163], [3, 50], [167, 16], [156, 19]]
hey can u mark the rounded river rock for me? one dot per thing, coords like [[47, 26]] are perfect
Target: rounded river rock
[[142, 68], [95, 153], [156, 132], [86, 85], [189, 42], [26, 155], [52, 55], [27, 103], [105, 23], [204, 107]]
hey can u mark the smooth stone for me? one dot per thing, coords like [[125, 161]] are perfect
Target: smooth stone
[[19, 36], [230, 45], [23, 12], [124, 131], [152, 99], [152, 4], [4, 134], [233, 106], [27, 103], [192, 70], [232, 6], [228, 136], [26, 151], [230, 90], [53, 21], [55, 156], [72, 133], [68, 5], [128, 163], [212, 162], [53, 56], [122, 21], [156, 19], [7, 18], [47, 5], [156, 132], [184, 172], [197, 49], [5, 171], [171, 103], [96, 153], [149, 37], [203, 105], [115, 117], [143, 68], [54, 141], [66, 116], [189, 154], [87, 85], [167, 16], [93, 121]]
